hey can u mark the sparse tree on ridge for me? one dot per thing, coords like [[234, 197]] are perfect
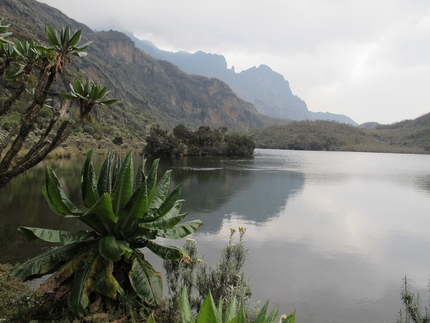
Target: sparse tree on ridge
[[25, 64]]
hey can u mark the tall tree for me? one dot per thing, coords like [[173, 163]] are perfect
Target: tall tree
[[23, 64]]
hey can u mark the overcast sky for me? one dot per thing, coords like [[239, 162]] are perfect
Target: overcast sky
[[367, 59]]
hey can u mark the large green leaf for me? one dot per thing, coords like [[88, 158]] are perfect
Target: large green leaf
[[105, 283], [83, 285], [162, 190], [51, 34], [63, 273], [46, 262], [184, 304], [168, 220], [167, 205], [142, 232], [140, 174], [113, 249], [89, 190], [57, 198], [101, 216], [123, 188], [104, 184], [55, 236], [169, 252], [75, 38], [145, 280], [181, 230], [208, 311], [151, 183]]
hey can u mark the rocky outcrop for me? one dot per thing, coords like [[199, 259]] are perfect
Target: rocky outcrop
[[266, 89], [150, 90]]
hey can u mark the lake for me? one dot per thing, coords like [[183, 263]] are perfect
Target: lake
[[330, 234]]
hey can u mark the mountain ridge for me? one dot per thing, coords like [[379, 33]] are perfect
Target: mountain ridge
[[151, 91], [266, 89]]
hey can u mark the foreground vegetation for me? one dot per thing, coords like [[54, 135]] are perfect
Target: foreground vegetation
[[126, 213], [192, 289], [102, 275]]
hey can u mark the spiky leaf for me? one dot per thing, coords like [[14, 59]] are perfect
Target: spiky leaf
[[241, 318], [104, 184], [290, 318], [123, 188], [272, 318], [208, 311], [184, 304], [89, 190], [230, 312], [51, 34]]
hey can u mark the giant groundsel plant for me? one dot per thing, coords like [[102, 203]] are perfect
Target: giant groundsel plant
[[126, 213]]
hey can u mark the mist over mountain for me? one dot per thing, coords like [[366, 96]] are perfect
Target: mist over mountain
[[266, 89], [150, 91]]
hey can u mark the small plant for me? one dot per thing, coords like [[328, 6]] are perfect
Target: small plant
[[226, 280], [126, 213], [209, 312], [413, 311]]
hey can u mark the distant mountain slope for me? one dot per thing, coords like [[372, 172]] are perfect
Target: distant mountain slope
[[150, 91], [266, 89], [408, 136]]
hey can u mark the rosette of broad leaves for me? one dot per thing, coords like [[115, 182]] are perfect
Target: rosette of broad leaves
[[126, 213]]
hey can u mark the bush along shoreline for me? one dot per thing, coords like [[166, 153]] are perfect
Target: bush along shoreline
[[204, 141]]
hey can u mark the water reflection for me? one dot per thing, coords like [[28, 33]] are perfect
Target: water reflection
[[330, 234]]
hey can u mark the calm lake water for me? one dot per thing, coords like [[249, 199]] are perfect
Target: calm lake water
[[330, 234]]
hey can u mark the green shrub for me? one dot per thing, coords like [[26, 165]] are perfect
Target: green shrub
[[126, 213]]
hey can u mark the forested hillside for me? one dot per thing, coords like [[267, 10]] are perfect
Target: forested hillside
[[412, 136]]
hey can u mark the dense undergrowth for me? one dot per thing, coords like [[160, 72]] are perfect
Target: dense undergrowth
[[226, 281]]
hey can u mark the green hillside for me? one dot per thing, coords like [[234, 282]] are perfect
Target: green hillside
[[412, 136]]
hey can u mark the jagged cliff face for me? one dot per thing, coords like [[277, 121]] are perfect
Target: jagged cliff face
[[270, 92], [266, 89], [153, 89]]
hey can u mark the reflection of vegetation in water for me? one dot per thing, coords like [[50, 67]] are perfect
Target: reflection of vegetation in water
[[219, 187], [213, 188], [22, 203]]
